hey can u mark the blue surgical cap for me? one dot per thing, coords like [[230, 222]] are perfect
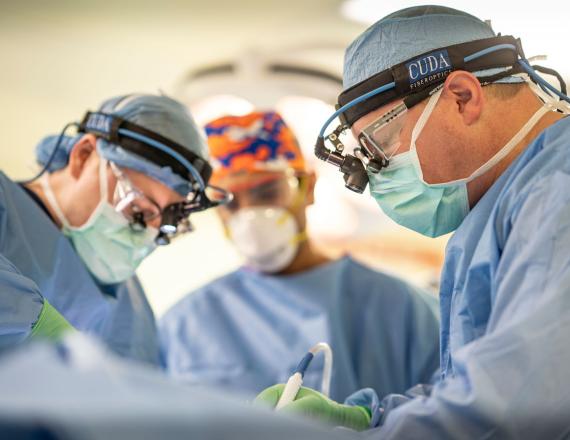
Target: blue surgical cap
[[160, 114], [408, 33]]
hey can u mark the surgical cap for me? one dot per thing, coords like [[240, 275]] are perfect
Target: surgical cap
[[258, 141], [160, 114], [408, 33]]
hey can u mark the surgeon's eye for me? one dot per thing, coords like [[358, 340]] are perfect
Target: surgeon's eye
[[266, 195], [232, 205], [137, 222]]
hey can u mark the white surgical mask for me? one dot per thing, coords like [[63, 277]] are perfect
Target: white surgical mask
[[110, 249], [267, 237]]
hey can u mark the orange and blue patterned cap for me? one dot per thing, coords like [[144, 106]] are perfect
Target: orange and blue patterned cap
[[259, 141]]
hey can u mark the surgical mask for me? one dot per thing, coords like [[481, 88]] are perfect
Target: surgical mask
[[431, 209], [110, 249], [267, 237]]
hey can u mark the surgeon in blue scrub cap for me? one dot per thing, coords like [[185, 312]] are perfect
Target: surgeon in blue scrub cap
[[78, 232], [457, 133]]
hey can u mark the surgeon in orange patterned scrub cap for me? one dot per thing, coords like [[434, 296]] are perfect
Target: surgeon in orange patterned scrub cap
[[258, 158], [257, 142], [248, 329]]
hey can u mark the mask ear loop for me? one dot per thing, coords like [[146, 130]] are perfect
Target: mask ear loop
[[103, 187], [103, 194], [48, 192]]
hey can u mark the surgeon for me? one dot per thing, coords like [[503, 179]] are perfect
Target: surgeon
[[458, 133], [249, 329], [72, 238]]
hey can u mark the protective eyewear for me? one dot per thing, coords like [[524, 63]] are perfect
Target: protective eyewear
[[271, 191], [140, 210], [128, 200], [381, 138]]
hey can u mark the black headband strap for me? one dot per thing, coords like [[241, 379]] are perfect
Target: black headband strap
[[112, 128], [424, 72]]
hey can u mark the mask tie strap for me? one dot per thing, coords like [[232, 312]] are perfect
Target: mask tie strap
[[515, 140], [503, 152], [500, 155], [424, 117], [44, 181]]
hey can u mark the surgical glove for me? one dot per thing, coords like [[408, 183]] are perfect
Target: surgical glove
[[51, 324], [311, 403]]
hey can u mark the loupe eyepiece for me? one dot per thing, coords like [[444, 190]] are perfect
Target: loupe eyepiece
[[138, 223], [162, 239], [355, 177], [172, 216]]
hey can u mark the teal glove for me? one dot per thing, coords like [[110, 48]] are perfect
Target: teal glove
[[312, 404]]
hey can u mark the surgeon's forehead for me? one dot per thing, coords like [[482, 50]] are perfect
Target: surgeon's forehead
[[156, 190], [240, 181], [368, 118]]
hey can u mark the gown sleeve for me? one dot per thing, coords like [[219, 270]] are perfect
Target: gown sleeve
[[513, 381], [23, 311]]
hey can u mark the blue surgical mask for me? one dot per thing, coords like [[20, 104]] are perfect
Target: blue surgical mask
[[431, 209], [110, 249]]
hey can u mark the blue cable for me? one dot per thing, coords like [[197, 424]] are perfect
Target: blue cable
[[523, 62], [51, 156], [392, 85], [541, 82], [488, 51], [352, 103], [544, 85]]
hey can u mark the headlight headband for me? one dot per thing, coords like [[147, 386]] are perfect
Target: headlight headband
[[413, 81]]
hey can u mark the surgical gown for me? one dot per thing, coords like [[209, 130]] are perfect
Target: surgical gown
[[76, 390], [247, 331], [119, 314], [505, 309], [20, 305]]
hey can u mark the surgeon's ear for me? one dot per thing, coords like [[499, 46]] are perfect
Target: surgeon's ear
[[79, 155], [310, 181], [465, 91]]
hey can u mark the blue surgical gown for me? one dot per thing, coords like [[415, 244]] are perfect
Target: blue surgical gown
[[76, 390], [247, 331], [20, 305], [120, 314], [505, 310]]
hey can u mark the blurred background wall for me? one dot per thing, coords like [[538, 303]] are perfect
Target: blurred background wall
[[60, 58]]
